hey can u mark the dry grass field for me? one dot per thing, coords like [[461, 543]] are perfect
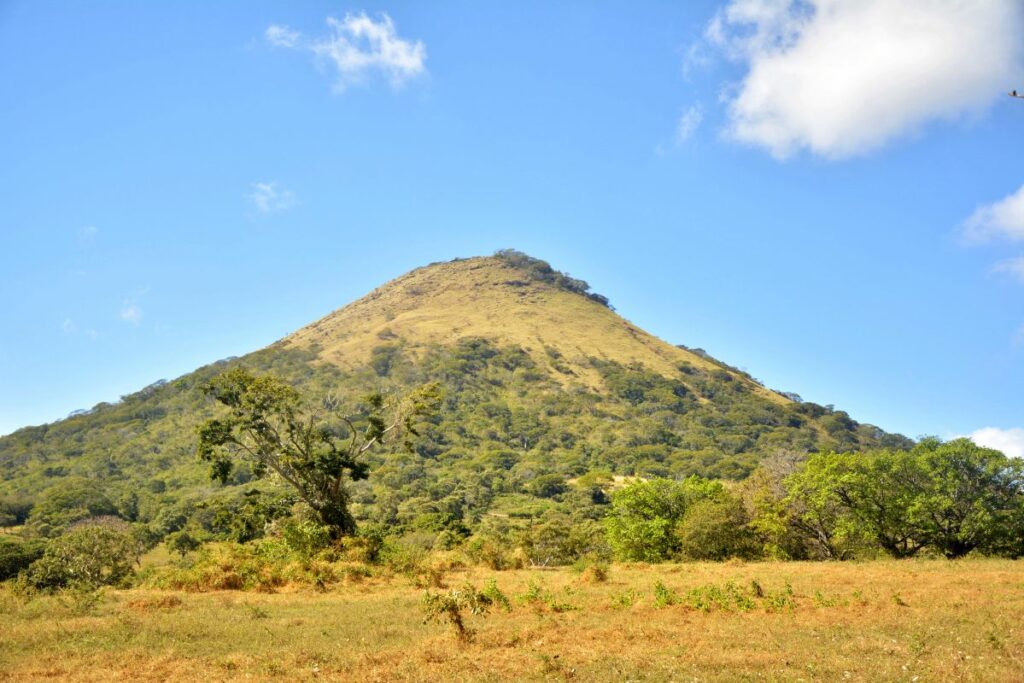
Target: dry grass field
[[924, 620]]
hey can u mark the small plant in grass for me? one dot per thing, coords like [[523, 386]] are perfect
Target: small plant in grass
[[822, 600], [899, 601], [540, 598], [625, 599], [728, 597], [496, 596], [81, 598], [534, 593], [780, 600], [591, 571], [450, 606], [255, 611], [664, 596]]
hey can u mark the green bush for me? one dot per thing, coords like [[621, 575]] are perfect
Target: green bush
[[16, 555], [716, 529], [90, 556]]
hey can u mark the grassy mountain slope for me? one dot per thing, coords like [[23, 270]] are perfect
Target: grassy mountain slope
[[549, 395], [490, 298]]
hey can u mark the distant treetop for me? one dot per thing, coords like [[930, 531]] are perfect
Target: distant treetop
[[543, 272]]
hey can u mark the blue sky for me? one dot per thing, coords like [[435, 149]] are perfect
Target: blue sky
[[827, 194]]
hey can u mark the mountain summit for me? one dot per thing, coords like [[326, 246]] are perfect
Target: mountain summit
[[546, 385], [509, 299]]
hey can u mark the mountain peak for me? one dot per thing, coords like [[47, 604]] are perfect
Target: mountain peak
[[510, 299]]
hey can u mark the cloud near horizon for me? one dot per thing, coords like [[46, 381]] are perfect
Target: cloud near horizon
[[839, 78], [1009, 441], [356, 47]]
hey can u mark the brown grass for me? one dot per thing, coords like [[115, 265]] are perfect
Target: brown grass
[[880, 621]]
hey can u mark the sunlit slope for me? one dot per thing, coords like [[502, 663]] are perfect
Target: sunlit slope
[[487, 298], [543, 382]]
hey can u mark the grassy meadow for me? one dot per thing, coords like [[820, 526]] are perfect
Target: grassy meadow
[[915, 620]]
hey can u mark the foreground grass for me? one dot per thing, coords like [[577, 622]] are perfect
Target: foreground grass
[[890, 621]]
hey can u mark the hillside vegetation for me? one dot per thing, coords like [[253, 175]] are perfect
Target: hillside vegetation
[[550, 398]]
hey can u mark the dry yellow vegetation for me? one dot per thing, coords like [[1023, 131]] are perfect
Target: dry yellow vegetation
[[922, 620], [483, 297]]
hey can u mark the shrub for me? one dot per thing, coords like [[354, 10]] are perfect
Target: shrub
[[716, 529], [450, 606], [306, 537], [89, 556], [17, 555]]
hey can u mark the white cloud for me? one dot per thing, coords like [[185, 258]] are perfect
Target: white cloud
[[1013, 266], [131, 313], [688, 123], [1004, 218], [1009, 441], [842, 77], [269, 198], [68, 326], [358, 46], [282, 36]]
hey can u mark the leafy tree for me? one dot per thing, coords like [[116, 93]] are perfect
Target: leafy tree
[[815, 511], [880, 489], [641, 524], [66, 503], [14, 511], [972, 498], [182, 542], [316, 451], [953, 498], [716, 529]]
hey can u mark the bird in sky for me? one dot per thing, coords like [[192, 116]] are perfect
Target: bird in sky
[[1014, 93]]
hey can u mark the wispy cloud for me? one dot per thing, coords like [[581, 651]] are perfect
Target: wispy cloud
[[1009, 441], [688, 123], [268, 197], [70, 328], [1003, 219], [131, 313], [839, 78], [1013, 266], [357, 47], [282, 36]]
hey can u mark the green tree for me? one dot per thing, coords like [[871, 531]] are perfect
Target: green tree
[[716, 529], [972, 498], [641, 523], [316, 451], [70, 501], [815, 511], [182, 542]]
